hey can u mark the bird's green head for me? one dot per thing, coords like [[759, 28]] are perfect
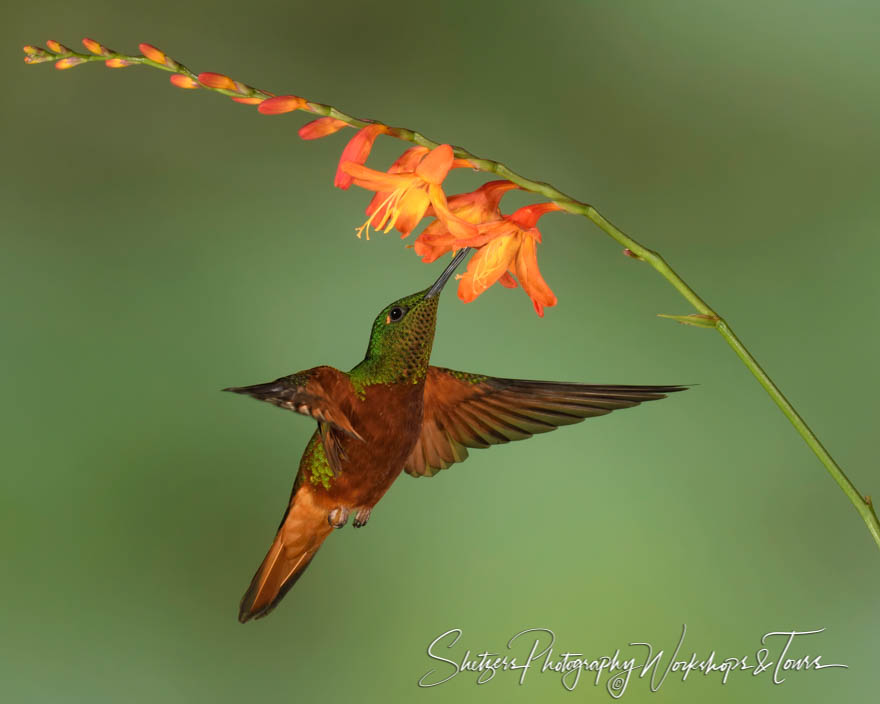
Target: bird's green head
[[403, 332]]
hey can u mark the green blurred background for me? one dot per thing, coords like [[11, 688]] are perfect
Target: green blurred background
[[161, 244]]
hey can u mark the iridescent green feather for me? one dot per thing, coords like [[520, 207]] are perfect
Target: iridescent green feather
[[399, 352]]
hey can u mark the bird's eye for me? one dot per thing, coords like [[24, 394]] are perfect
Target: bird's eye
[[396, 313]]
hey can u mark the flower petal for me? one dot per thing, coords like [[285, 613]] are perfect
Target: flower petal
[[526, 266], [373, 180], [321, 127], [436, 164], [488, 231], [431, 246], [507, 280], [458, 227], [487, 266], [408, 161], [528, 216], [481, 205], [405, 163], [356, 152], [411, 210]]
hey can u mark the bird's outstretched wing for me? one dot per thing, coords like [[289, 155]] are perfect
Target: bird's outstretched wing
[[465, 410], [311, 393]]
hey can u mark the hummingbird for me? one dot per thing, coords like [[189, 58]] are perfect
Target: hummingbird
[[395, 413]]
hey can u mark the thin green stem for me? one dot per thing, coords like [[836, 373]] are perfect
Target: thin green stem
[[706, 316]]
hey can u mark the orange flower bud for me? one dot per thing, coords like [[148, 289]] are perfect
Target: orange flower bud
[[117, 63], [321, 127], [69, 62], [152, 53], [281, 104], [95, 47], [217, 80], [182, 81], [57, 48], [249, 101], [36, 55]]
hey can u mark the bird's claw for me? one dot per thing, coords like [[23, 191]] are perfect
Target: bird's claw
[[338, 517], [361, 517]]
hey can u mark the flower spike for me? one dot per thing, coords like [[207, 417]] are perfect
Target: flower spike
[[403, 197]]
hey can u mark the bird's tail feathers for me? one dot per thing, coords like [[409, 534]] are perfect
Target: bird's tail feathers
[[302, 531]]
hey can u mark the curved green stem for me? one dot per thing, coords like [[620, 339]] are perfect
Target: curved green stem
[[706, 317]]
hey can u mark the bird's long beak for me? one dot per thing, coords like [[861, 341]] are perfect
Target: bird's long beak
[[447, 273]]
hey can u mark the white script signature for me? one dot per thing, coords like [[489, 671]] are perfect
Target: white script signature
[[534, 650]]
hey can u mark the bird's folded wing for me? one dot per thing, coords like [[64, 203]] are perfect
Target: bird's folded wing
[[307, 392], [465, 410], [311, 393]]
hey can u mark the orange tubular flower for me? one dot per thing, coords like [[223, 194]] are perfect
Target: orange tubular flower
[[479, 206], [410, 194], [405, 164], [356, 152], [508, 246]]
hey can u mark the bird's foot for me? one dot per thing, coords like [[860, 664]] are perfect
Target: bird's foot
[[338, 517], [361, 517]]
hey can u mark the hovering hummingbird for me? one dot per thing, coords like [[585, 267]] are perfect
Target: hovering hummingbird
[[392, 413]]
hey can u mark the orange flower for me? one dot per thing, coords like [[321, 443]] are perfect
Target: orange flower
[[404, 164], [479, 206], [507, 247], [410, 194], [356, 152]]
